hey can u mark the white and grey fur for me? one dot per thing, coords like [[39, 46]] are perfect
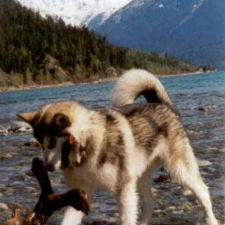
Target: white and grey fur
[[119, 149]]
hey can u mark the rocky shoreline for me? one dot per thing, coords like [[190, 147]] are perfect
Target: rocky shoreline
[[94, 81], [16, 127]]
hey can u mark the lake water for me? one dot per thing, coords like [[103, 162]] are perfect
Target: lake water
[[200, 99]]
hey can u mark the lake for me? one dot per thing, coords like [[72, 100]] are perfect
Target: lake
[[200, 99]]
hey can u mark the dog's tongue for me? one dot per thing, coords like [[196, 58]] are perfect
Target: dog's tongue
[[72, 139]]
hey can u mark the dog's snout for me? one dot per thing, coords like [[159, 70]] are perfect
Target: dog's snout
[[51, 168]]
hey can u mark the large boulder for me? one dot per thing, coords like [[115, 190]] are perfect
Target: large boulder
[[19, 127]]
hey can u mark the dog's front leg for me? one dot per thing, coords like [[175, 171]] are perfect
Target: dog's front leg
[[128, 202], [74, 217]]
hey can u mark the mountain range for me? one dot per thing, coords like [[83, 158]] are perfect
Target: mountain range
[[76, 12], [193, 30]]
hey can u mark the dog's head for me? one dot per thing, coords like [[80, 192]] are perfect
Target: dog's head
[[62, 131]]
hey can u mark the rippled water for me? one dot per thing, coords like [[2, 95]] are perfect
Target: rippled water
[[200, 99]]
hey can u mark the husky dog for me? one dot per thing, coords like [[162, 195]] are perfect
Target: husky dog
[[117, 150]]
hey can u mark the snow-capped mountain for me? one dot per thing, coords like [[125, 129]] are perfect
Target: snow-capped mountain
[[190, 29], [77, 12]]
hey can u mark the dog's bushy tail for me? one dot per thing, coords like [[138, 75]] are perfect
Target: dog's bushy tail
[[137, 82]]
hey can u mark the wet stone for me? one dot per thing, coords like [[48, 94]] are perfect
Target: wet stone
[[3, 207], [162, 179], [206, 108], [32, 143], [29, 173], [204, 163], [4, 132], [5, 155], [19, 127], [187, 192]]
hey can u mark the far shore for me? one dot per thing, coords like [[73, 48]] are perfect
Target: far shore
[[70, 83]]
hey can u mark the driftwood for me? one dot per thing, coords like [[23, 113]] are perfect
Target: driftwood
[[16, 219], [48, 202]]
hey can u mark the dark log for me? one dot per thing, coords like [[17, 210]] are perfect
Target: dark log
[[49, 202]]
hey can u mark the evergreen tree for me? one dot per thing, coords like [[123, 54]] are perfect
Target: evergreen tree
[[28, 77]]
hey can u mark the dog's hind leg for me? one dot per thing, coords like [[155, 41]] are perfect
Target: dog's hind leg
[[145, 198], [128, 202], [184, 169]]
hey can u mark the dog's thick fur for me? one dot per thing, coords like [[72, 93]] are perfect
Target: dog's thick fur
[[118, 150]]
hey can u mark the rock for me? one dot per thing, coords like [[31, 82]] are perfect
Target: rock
[[181, 211], [206, 108], [171, 208], [204, 163], [30, 173], [158, 210], [16, 127], [32, 143], [187, 192], [3, 206], [162, 179], [4, 132], [5, 156], [20, 127]]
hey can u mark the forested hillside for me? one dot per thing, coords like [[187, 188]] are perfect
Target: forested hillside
[[46, 51]]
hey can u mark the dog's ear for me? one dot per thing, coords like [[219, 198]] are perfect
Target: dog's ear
[[27, 117], [61, 120]]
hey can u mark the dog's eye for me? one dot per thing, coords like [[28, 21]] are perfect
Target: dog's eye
[[51, 143]]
